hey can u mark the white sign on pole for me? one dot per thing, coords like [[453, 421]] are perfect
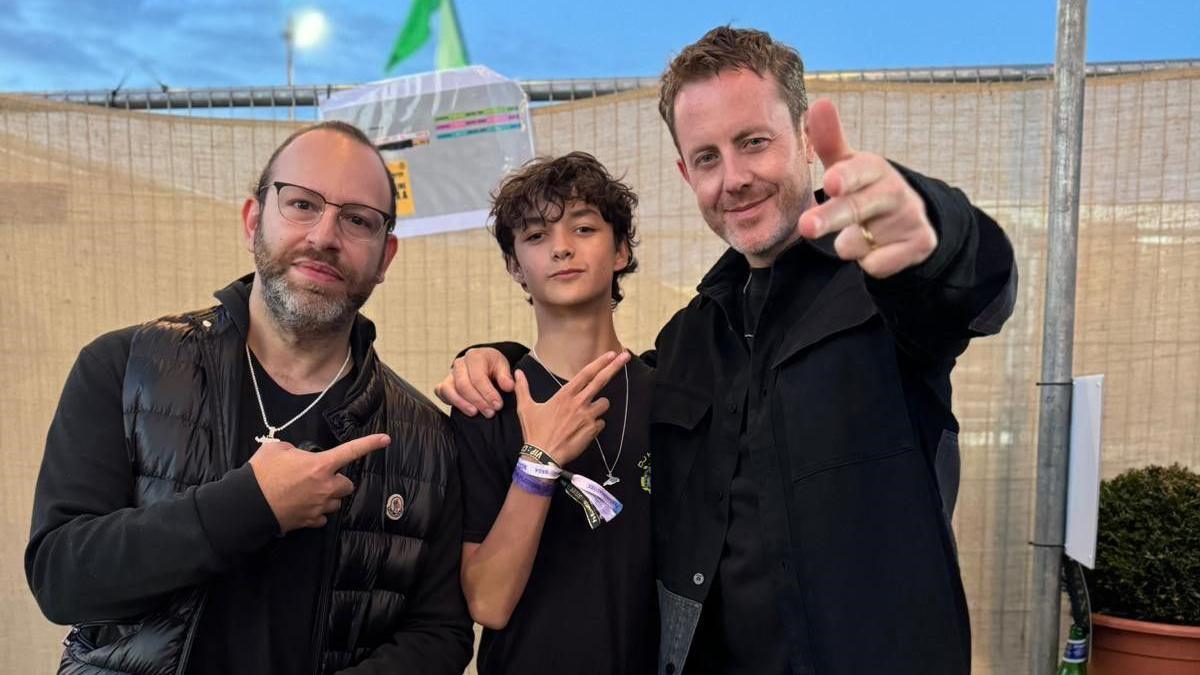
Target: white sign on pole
[[1083, 469], [448, 138]]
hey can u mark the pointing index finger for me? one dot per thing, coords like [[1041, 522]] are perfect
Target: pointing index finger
[[358, 448]]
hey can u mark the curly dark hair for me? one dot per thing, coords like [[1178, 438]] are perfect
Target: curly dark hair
[[726, 48], [542, 187]]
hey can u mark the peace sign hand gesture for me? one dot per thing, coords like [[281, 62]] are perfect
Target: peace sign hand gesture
[[564, 425]]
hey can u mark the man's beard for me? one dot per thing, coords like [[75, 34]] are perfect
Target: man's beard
[[306, 309], [792, 200]]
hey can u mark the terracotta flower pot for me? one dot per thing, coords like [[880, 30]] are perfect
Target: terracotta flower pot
[[1128, 647]]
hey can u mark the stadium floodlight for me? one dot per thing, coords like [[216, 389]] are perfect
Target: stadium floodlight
[[305, 29]]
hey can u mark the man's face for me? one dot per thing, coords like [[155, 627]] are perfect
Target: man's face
[[746, 162], [314, 278], [569, 262]]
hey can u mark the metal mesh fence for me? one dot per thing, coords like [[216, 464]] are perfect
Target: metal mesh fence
[[111, 216]]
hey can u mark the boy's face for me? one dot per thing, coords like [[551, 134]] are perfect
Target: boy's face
[[569, 262]]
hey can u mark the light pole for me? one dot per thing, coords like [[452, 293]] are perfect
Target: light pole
[[1058, 336], [289, 36], [302, 30]]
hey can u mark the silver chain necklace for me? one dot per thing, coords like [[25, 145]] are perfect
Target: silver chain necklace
[[271, 431], [611, 479]]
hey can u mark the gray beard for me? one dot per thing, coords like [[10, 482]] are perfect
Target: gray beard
[[308, 311]]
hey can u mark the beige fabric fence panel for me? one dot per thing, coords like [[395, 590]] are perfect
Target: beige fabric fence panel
[[112, 217]]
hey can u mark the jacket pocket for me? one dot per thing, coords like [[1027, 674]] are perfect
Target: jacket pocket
[[843, 307], [678, 432], [94, 643], [678, 406], [847, 460], [869, 546], [842, 402]]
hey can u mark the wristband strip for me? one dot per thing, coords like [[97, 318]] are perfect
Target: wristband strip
[[534, 486], [531, 468], [599, 505]]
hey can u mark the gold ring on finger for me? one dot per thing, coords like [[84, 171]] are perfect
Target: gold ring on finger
[[868, 237]]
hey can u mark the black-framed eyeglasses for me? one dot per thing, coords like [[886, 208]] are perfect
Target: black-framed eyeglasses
[[303, 206]]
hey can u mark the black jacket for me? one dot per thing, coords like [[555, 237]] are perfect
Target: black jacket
[[846, 407], [131, 576]]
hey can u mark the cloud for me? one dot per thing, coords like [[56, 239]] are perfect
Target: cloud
[[69, 45], [58, 45]]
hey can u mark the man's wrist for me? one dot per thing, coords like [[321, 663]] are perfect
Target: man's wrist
[[235, 514]]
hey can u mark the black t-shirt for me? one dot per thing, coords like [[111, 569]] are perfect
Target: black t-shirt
[[590, 605], [259, 617]]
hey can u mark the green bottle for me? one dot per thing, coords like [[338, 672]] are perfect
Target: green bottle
[[1074, 660]]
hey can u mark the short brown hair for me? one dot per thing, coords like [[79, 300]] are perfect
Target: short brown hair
[[545, 185], [725, 48], [338, 127]]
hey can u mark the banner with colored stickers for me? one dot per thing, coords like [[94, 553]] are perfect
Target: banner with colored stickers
[[448, 138]]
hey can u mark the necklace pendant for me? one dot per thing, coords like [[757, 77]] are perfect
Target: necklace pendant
[[611, 480], [270, 437]]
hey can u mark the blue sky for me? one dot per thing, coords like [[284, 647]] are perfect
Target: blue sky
[[62, 44]]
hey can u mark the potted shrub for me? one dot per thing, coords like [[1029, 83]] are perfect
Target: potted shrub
[[1145, 590]]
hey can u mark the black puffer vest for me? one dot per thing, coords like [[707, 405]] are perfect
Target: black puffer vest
[[180, 399]]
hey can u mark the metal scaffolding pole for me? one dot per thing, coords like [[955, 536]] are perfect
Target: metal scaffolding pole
[[1057, 337]]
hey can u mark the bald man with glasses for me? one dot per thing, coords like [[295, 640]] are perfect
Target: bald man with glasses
[[247, 488]]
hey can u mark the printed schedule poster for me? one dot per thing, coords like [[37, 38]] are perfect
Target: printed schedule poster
[[448, 137]]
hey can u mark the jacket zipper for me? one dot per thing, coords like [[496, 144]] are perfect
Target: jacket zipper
[[186, 653], [326, 593], [321, 624]]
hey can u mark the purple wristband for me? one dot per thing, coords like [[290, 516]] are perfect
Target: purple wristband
[[533, 486]]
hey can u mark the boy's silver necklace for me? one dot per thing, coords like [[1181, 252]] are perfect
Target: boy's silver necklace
[[611, 479]]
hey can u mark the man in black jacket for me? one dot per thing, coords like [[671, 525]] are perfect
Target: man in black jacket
[[247, 488], [805, 452]]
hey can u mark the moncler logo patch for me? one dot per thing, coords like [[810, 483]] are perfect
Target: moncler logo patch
[[395, 507]]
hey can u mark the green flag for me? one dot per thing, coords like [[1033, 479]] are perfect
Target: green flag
[[451, 52]]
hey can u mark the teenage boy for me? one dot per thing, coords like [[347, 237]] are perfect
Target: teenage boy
[[556, 560]]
